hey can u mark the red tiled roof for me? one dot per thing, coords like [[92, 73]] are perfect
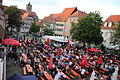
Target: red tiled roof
[[45, 19], [66, 13], [51, 18], [78, 13], [40, 23], [25, 15], [113, 18]]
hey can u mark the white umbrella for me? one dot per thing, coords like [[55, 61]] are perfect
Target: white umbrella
[[115, 74], [92, 75]]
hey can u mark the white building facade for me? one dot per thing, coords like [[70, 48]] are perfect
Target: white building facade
[[107, 29]]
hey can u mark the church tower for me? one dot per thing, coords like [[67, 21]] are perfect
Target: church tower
[[29, 8]]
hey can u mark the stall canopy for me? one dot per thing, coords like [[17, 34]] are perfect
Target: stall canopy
[[56, 38]]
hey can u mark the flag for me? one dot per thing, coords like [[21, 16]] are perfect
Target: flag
[[92, 75], [58, 51], [47, 43], [50, 63], [100, 59], [84, 61], [87, 51], [67, 45], [115, 74]]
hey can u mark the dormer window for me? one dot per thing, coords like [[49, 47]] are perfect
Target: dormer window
[[105, 24], [110, 24]]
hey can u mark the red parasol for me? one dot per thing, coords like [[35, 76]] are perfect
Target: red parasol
[[10, 42]]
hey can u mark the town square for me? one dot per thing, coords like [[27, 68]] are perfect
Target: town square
[[59, 40]]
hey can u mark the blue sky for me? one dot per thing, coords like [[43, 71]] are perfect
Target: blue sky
[[45, 7]]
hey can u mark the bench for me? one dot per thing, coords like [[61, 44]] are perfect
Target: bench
[[65, 76], [42, 78], [104, 69], [75, 73], [104, 76], [72, 76], [48, 76]]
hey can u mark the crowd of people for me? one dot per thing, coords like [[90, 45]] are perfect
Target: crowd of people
[[64, 63]]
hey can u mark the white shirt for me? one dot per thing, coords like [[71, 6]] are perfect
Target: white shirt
[[70, 63], [57, 75], [83, 71]]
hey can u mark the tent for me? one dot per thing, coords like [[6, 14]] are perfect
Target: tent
[[56, 38], [18, 77]]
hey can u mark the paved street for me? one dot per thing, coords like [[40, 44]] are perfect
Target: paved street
[[12, 68]]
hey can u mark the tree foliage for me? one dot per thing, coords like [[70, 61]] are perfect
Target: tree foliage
[[48, 31], [116, 34], [14, 19], [87, 30], [34, 28]]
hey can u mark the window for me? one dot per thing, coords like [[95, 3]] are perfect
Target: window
[[110, 24], [105, 24], [74, 19], [59, 24]]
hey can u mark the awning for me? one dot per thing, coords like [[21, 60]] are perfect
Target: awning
[[56, 38]]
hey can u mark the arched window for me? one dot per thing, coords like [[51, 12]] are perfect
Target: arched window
[[110, 24], [105, 24]]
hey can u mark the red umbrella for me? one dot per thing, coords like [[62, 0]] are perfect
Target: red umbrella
[[93, 49], [10, 42]]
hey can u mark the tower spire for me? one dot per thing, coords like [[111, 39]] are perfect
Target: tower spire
[[29, 8]]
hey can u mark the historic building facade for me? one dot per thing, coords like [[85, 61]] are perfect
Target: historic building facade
[[107, 29], [61, 22]]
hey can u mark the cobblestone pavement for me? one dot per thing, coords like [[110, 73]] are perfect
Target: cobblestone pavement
[[12, 68]]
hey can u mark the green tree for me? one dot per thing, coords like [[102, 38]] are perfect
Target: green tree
[[34, 28], [14, 19], [116, 34], [87, 30], [48, 31]]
